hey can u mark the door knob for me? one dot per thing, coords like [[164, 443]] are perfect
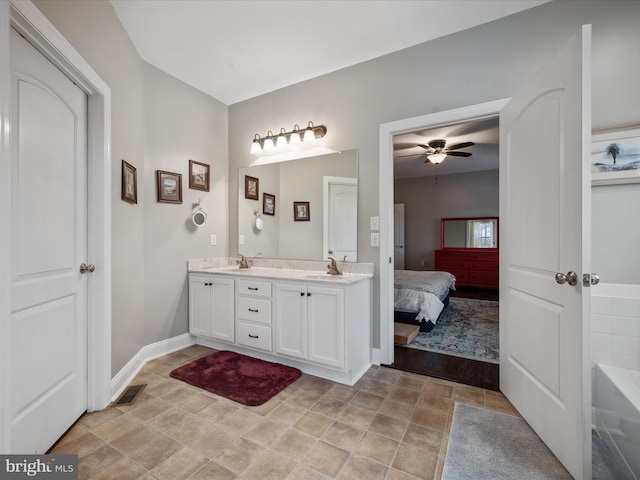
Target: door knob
[[84, 268], [571, 278], [590, 279]]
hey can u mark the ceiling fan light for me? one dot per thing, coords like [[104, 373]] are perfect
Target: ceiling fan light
[[437, 158]]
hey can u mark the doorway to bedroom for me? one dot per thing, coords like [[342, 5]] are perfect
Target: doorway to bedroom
[[445, 276]]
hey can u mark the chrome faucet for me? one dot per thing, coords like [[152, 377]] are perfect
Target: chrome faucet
[[333, 267], [242, 262]]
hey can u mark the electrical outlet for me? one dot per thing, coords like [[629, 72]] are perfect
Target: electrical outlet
[[214, 240], [375, 239], [375, 223], [422, 263]]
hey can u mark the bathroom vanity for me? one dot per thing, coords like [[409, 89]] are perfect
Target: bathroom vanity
[[302, 317]]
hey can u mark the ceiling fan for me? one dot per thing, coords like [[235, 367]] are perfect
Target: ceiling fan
[[436, 150]]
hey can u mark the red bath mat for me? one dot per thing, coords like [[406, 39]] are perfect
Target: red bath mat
[[244, 379]]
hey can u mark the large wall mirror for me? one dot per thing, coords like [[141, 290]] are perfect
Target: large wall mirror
[[308, 208], [479, 232]]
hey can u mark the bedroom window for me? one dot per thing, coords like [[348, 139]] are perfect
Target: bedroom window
[[482, 234]]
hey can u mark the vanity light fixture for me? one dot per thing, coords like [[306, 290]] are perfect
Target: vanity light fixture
[[309, 134]]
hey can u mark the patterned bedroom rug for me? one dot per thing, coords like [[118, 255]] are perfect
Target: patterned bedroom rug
[[466, 328]]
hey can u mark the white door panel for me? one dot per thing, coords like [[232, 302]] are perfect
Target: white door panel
[[545, 201], [341, 218], [49, 241]]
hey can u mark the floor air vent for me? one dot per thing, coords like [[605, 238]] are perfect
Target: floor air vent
[[130, 395]]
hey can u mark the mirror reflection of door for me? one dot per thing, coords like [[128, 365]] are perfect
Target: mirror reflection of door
[[398, 236], [342, 219]]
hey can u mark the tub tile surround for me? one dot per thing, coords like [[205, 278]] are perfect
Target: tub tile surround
[[615, 325]]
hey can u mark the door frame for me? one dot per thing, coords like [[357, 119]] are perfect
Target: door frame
[[387, 132], [25, 17]]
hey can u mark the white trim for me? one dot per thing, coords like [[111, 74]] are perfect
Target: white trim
[[25, 17], [326, 181], [375, 356], [149, 352], [387, 132]]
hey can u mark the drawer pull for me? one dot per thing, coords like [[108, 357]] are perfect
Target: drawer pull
[[254, 310], [253, 288], [254, 336]]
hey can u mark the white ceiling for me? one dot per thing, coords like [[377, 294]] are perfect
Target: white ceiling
[[234, 50]]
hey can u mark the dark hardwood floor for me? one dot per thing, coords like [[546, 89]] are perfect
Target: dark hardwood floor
[[448, 367]]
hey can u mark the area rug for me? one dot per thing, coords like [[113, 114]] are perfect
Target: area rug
[[240, 378], [466, 328], [484, 444]]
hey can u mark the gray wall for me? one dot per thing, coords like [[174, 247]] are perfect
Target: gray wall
[[158, 122], [427, 202], [481, 64]]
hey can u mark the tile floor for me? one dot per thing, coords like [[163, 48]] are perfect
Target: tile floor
[[391, 425]]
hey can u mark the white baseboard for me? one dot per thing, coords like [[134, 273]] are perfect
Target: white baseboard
[[154, 350], [375, 356]]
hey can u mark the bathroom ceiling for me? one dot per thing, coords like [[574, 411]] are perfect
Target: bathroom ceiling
[[234, 50], [484, 154]]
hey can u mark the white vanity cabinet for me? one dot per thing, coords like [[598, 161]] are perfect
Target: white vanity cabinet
[[211, 312], [319, 324], [310, 323]]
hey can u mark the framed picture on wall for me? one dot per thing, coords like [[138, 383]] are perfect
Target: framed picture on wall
[[129, 183], [301, 212], [169, 187], [198, 176], [251, 187], [615, 155], [268, 204]]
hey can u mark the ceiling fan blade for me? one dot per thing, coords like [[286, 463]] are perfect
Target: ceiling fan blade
[[412, 155], [426, 147], [460, 145], [459, 154]]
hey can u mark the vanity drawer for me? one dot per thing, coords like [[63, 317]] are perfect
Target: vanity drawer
[[253, 309], [255, 336], [253, 288]]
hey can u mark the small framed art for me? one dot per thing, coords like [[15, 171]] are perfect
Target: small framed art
[[169, 186], [198, 176], [129, 183], [301, 212], [251, 187], [268, 204]]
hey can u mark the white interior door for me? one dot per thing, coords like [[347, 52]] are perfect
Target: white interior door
[[398, 236], [545, 205], [341, 218], [49, 241]]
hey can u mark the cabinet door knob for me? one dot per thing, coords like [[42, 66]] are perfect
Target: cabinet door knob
[[302, 294], [308, 294]]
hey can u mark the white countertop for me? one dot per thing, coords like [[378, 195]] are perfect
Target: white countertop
[[283, 274]]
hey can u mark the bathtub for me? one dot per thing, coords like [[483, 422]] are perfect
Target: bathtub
[[617, 414]]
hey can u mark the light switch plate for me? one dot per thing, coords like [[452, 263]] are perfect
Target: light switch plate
[[241, 240], [214, 240], [375, 239], [375, 223]]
